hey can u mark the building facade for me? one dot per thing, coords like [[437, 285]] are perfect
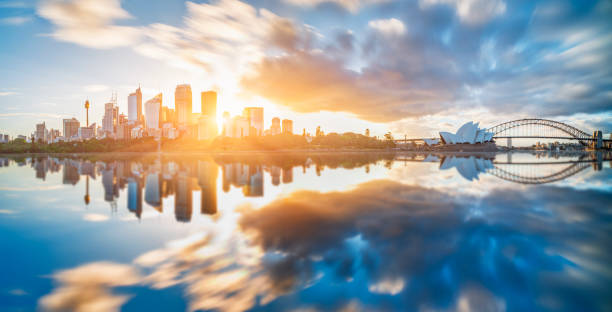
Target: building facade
[[183, 103], [71, 128], [41, 133], [209, 113], [135, 106], [276, 126], [111, 116], [255, 116], [153, 110], [287, 126]]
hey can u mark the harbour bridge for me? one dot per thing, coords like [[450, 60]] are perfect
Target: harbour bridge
[[533, 128]]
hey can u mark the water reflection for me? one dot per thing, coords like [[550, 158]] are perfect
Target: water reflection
[[380, 243]]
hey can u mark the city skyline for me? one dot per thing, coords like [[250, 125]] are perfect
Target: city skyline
[[346, 65]]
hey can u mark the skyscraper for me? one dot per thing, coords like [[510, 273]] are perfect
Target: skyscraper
[[209, 113], [276, 126], [41, 132], [153, 109], [287, 126], [111, 116], [255, 118], [71, 127], [182, 104], [209, 103], [135, 106]]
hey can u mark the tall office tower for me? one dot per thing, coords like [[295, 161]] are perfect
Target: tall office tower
[[209, 112], [182, 104], [111, 116], [255, 118], [135, 106], [287, 126], [227, 125], [53, 134], [41, 132], [276, 126], [71, 127], [153, 110]]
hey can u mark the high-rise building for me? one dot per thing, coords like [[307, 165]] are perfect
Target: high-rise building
[[276, 126], [41, 133], [135, 106], [209, 103], [86, 133], [53, 135], [287, 126], [71, 128], [209, 113], [153, 110], [182, 103], [110, 119], [168, 115], [255, 118]]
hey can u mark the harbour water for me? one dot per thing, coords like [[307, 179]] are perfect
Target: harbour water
[[307, 232]]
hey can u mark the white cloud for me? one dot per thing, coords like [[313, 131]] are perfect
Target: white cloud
[[95, 88], [472, 12], [351, 5], [89, 22], [15, 20], [7, 93], [389, 27]]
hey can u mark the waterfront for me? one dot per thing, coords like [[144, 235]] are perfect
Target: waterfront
[[318, 231]]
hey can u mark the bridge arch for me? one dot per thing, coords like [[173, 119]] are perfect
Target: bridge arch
[[538, 128]]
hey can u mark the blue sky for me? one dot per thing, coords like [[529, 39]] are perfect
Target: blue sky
[[412, 67]]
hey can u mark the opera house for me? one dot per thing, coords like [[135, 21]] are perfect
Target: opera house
[[469, 133]]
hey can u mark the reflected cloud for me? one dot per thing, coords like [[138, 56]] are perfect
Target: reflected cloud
[[88, 288]]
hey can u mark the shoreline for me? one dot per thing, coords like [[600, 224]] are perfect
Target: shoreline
[[292, 151]]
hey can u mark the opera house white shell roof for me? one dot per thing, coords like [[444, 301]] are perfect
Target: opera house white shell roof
[[469, 133]]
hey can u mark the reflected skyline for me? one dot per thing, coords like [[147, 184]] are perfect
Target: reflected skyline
[[325, 232], [159, 178]]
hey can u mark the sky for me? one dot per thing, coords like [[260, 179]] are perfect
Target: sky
[[410, 67]]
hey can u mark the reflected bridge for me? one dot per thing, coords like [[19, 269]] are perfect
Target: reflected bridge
[[540, 172]]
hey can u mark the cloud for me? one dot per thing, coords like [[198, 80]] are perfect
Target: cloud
[[546, 60], [390, 27], [95, 88], [15, 20], [350, 5], [89, 22], [7, 93], [472, 12], [38, 115]]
